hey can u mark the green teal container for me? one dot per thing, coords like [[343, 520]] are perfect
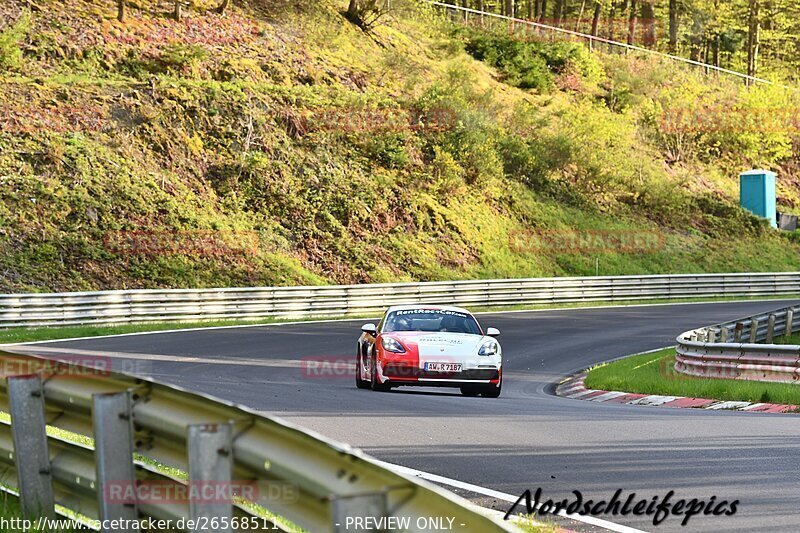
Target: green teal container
[[757, 194]]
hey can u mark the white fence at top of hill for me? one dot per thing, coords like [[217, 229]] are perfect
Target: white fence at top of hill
[[530, 29], [130, 306]]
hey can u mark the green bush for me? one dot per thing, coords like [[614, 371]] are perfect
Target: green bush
[[10, 39], [530, 64]]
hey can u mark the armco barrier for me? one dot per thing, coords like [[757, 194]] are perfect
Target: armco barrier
[[129, 306], [124, 431], [743, 349]]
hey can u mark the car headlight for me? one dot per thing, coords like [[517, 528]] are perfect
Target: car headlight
[[392, 345], [489, 347]]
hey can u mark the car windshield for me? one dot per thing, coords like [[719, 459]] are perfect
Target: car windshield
[[438, 320]]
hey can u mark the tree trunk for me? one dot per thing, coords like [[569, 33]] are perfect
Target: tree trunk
[[178, 10], [509, 8], [598, 10], [558, 13], [121, 10], [632, 19], [530, 9], [352, 10], [753, 37], [673, 26], [649, 16], [716, 51], [579, 22], [611, 22], [222, 6]]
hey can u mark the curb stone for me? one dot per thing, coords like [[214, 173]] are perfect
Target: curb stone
[[574, 388]]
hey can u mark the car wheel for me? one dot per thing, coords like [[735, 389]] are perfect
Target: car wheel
[[470, 391], [373, 373], [493, 392], [360, 383]]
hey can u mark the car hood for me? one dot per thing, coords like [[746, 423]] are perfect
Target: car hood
[[434, 343]]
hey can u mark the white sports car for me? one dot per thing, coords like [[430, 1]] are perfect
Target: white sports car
[[430, 346]]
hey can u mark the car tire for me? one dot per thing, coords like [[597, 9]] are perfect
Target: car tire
[[493, 392], [470, 391], [360, 383], [373, 373]]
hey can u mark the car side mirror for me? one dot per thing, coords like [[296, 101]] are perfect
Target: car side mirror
[[370, 329], [492, 332]]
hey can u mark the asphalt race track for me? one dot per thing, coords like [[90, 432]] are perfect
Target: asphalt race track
[[525, 439]]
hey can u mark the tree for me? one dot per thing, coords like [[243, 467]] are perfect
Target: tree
[[121, 10], [673, 26], [649, 18], [558, 12], [598, 11], [222, 6], [611, 14], [632, 19], [753, 36], [579, 22], [365, 13]]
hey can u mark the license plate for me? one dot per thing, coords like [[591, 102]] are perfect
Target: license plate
[[443, 367]]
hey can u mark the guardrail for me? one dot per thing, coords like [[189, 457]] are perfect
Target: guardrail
[[743, 349], [523, 27], [129, 306], [110, 447]]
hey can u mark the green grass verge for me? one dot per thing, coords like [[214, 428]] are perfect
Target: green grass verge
[[654, 373], [529, 524], [14, 335], [11, 513]]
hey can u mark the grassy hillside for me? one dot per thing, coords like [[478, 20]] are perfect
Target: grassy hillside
[[281, 144]]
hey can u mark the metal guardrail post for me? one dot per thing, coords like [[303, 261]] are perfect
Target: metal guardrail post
[[712, 335], [770, 329], [210, 465], [31, 456], [754, 329], [758, 360], [113, 445], [737, 332], [363, 505]]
